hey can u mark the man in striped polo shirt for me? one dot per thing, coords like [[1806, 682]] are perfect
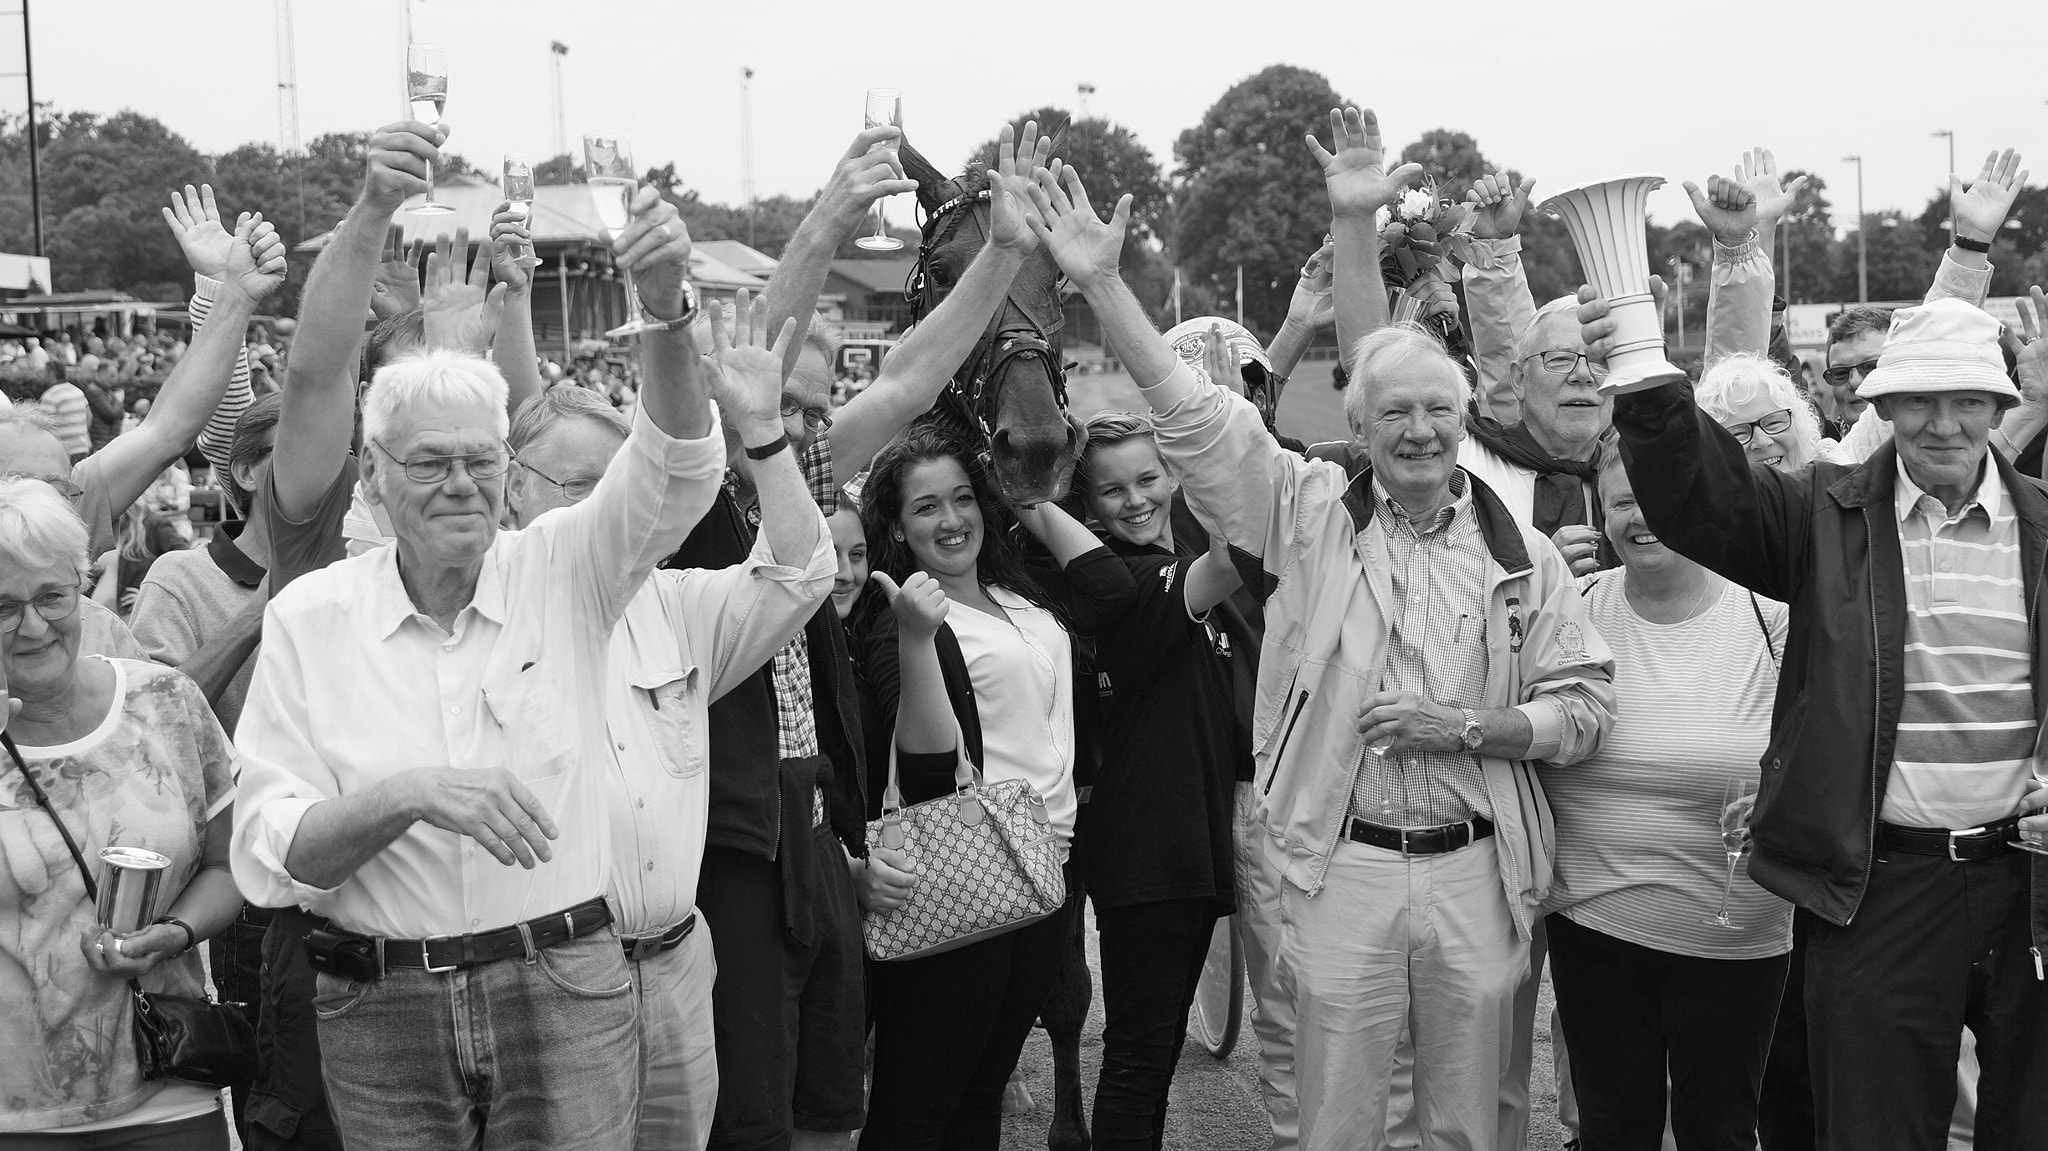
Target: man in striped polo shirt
[[1906, 728]]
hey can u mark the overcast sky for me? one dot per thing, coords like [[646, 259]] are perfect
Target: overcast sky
[[1566, 92]]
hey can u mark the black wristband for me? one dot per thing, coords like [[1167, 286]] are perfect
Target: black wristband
[[769, 449], [191, 936], [1969, 245]]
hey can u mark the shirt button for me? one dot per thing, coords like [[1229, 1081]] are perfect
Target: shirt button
[[453, 710], [650, 865], [475, 922], [620, 746], [640, 803]]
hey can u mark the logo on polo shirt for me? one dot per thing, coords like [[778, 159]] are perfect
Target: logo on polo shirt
[[1571, 643]]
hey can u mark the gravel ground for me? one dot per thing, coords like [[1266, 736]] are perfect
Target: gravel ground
[[1215, 1104]]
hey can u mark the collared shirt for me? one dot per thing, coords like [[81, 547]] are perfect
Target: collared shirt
[[686, 639], [796, 722], [1437, 649], [354, 685], [1967, 726]]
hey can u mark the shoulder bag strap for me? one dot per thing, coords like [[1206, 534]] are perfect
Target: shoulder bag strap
[[92, 890], [1765, 626]]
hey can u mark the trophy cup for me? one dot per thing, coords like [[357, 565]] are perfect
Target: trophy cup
[[1607, 222]]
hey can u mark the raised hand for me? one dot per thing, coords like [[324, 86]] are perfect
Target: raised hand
[[1432, 298], [508, 232], [655, 247], [1982, 207], [460, 306], [1009, 184], [920, 604], [1086, 247], [1497, 205], [1314, 303], [195, 221], [1758, 172], [255, 263], [1596, 325], [1356, 173], [396, 290], [748, 386], [1726, 207], [2029, 347], [864, 175], [1220, 362], [399, 155]]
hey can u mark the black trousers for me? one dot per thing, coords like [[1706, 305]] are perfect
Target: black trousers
[[1784, 1120], [235, 955], [288, 1107], [1935, 946], [948, 1030], [1633, 1015], [1152, 956]]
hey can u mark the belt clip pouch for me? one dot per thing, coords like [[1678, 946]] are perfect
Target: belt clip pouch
[[344, 955]]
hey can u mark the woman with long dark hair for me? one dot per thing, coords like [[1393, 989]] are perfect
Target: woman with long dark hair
[[978, 652]]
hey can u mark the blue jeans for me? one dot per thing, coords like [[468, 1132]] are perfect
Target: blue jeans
[[518, 1055], [679, 1084]]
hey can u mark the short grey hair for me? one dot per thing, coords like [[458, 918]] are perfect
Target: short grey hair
[[1390, 349], [556, 404], [34, 416], [441, 377], [1526, 342], [39, 528]]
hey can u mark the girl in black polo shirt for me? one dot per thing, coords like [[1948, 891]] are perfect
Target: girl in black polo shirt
[[1154, 841]]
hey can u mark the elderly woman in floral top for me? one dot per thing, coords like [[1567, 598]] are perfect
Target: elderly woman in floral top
[[129, 756]]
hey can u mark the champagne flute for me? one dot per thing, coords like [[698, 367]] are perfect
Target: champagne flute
[[1738, 801], [2033, 828], [608, 164], [519, 193], [885, 106], [426, 83]]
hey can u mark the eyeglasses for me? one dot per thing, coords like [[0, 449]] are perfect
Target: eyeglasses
[[814, 418], [1564, 363], [1773, 423], [575, 490], [52, 605], [435, 469], [1838, 376], [65, 488]]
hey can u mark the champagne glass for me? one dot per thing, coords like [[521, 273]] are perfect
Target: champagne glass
[[519, 193], [2033, 829], [608, 165], [1738, 801], [426, 84], [885, 106]]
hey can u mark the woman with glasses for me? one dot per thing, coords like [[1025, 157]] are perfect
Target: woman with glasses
[[1755, 400], [128, 755]]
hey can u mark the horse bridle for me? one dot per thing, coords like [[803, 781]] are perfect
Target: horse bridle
[[1000, 343]]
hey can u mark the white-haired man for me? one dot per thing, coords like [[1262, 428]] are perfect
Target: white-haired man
[[426, 727], [686, 639], [1422, 648]]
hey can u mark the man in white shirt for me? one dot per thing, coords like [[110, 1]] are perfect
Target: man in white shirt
[[687, 638], [426, 705]]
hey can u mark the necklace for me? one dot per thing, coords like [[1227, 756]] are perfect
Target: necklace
[[1690, 612]]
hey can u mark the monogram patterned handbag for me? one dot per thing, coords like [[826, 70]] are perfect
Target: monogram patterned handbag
[[986, 861]]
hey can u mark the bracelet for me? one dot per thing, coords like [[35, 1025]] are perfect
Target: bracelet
[[191, 937], [768, 449], [1969, 245]]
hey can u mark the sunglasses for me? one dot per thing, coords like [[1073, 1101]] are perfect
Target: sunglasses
[[1837, 376]]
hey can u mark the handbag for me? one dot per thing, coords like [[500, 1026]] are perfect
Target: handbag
[[176, 1036], [986, 859]]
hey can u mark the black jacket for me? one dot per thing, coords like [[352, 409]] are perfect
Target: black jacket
[[1826, 542]]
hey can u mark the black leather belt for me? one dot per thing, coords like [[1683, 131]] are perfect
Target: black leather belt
[[254, 916], [1966, 845], [1419, 840], [444, 953], [639, 947]]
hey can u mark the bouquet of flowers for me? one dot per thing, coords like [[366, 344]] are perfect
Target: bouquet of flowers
[[1420, 233]]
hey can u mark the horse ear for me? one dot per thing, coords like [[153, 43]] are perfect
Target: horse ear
[[932, 185]]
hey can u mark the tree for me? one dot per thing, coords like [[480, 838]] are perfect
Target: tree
[[1450, 158], [562, 169], [1250, 195]]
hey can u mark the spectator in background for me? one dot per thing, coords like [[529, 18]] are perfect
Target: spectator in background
[[65, 402], [1855, 337], [103, 398], [153, 526]]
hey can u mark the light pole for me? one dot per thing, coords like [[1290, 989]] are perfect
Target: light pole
[[1948, 188], [35, 150], [1862, 245], [556, 51]]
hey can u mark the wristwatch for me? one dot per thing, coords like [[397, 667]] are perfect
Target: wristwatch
[[690, 309], [1473, 737]]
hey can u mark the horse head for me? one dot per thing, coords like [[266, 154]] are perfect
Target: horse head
[[1011, 391]]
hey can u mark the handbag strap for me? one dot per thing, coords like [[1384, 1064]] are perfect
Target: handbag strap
[[1769, 646], [965, 773], [92, 890]]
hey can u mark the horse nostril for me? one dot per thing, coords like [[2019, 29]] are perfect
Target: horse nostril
[[1001, 440]]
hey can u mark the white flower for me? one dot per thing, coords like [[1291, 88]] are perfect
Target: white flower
[[1381, 219], [1415, 204]]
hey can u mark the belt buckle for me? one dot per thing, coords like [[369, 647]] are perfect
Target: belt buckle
[[1954, 835], [642, 947], [426, 955]]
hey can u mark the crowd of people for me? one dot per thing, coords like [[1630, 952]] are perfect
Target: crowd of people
[[519, 747]]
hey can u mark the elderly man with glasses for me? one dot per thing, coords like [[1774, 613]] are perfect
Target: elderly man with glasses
[[425, 743]]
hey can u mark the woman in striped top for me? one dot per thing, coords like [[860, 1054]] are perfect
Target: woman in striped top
[[1647, 993]]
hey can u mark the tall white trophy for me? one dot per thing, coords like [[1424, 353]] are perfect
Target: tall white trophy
[[1608, 222]]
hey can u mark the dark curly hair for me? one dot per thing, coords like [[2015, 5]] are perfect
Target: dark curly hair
[[1001, 561]]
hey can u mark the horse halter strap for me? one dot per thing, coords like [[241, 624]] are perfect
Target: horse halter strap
[[999, 343]]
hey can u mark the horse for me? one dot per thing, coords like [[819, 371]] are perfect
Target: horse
[[1010, 398], [1011, 393]]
